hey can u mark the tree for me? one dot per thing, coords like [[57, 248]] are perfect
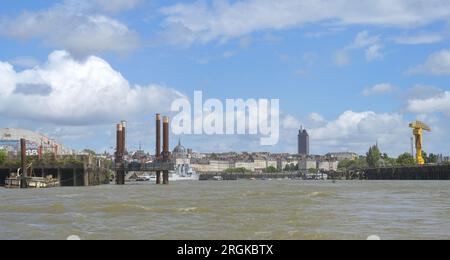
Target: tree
[[433, 158], [406, 159], [352, 164], [373, 156], [291, 167], [270, 169], [313, 170], [2, 157], [89, 151]]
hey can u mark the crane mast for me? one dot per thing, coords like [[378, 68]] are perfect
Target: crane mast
[[418, 128]]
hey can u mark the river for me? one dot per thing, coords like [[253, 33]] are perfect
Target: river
[[256, 210]]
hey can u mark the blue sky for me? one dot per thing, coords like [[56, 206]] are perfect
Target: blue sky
[[352, 72]]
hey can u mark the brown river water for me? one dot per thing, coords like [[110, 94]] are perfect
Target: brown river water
[[256, 210]]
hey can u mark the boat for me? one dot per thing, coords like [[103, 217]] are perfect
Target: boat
[[144, 178], [33, 182], [15, 180], [217, 178], [316, 176], [183, 172]]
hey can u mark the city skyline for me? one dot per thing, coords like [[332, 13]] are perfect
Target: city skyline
[[351, 76]]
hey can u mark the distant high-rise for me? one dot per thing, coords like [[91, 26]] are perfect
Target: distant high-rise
[[303, 142]]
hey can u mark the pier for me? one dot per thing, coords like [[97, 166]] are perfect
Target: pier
[[84, 171], [89, 172]]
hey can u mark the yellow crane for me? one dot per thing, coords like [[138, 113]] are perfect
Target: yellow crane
[[418, 128]]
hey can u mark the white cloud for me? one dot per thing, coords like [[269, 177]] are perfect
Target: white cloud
[[77, 92], [203, 22], [364, 40], [439, 103], [374, 52], [437, 64], [73, 28], [290, 122], [356, 131], [371, 44], [378, 89], [422, 38]]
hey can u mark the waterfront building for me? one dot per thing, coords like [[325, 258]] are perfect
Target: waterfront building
[[250, 166], [341, 156], [328, 165], [306, 163], [180, 155], [211, 165]]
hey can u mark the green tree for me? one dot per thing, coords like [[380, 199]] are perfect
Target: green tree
[[313, 170], [291, 167], [406, 159], [432, 158], [2, 157], [270, 169], [89, 151], [373, 156], [347, 164]]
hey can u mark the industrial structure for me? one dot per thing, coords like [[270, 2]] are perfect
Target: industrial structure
[[163, 160], [418, 128], [303, 142]]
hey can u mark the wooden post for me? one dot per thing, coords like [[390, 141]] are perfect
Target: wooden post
[[23, 157], [158, 146], [166, 153]]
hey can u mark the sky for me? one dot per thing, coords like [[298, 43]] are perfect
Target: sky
[[352, 72]]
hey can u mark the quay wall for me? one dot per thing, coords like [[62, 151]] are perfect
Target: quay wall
[[429, 172]]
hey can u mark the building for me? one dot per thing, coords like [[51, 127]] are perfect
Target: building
[[260, 164], [272, 163], [180, 155], [328, 165], [342, 156], [211, 166], [307, 163], [37, 144], [303, 142], [250, 166]]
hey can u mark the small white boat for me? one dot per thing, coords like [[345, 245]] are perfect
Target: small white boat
[[316, 176], [143, 178], [217, 178]]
